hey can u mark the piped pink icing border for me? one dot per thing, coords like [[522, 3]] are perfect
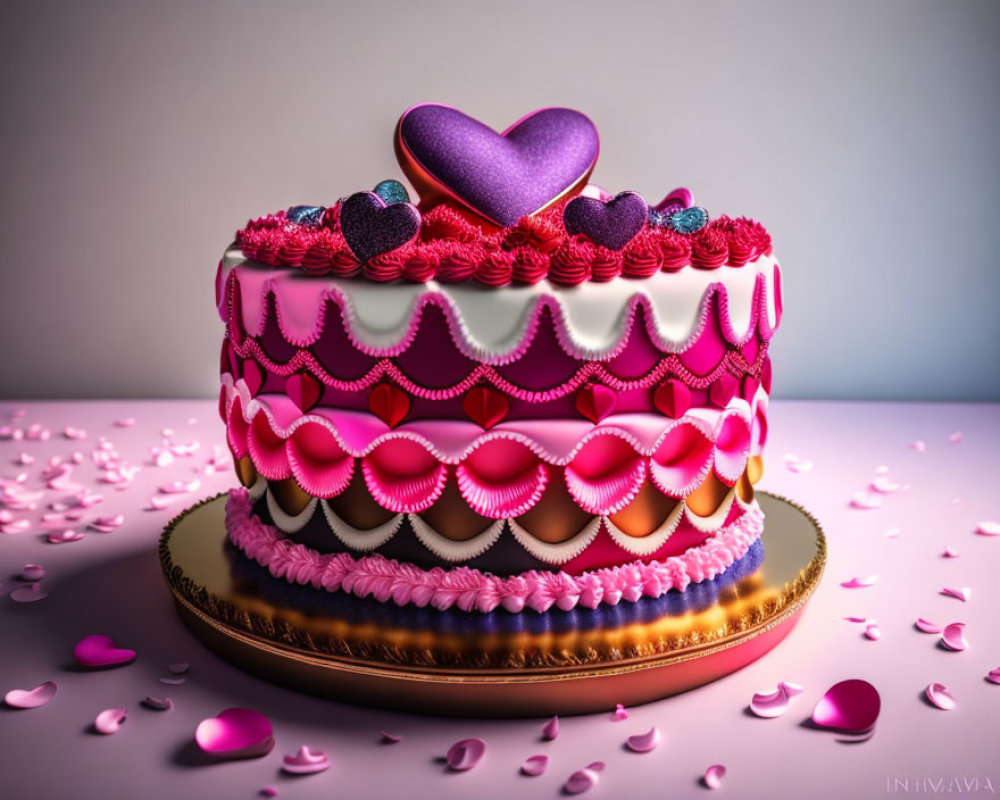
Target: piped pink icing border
[[469, 589]]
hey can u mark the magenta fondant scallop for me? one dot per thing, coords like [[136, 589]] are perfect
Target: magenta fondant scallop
[[605, 475], [732, 447], [321, 466], [403, 476], [502, 478], [267, 450], [681, 461]]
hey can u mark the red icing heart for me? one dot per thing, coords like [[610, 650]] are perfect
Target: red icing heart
[[596, 401], [303, 390], [724, 390], [389, 403], [672, 398], [253, 376], [485, 407]]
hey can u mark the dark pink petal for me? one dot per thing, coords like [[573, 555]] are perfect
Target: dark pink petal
[[158, 703], [269, 791], [988, 529], [950, 552], [873, 631], [860, 583], [390, 738], [306, 761], [551, 729], [235, 733], [939, 696], [28, 594], [24, 459], [993, 676], [583, 780], [644, 742], [31, 698], [962, 594], [619, 713], [713, 776], [98, 651], [953, 636], [126, 422], [535, 765], [926, 626], [851, 705], [110, 720], [466, 754], [856, 619]]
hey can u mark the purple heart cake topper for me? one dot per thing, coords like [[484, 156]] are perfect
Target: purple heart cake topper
[[501, 176], [371, 227], [612, 224]]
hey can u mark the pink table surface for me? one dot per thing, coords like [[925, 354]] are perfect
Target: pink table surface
[[111, 583]]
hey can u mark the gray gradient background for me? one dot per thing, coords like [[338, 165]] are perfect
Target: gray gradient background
[[135, 139]]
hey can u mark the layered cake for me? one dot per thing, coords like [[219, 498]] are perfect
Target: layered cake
[[515, 422]]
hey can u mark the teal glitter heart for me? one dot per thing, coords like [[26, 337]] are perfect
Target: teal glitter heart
[[688, 220], [305, 215], [392, 192]]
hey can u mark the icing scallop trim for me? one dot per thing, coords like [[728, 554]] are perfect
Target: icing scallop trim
[[469, 589], [246, 295]]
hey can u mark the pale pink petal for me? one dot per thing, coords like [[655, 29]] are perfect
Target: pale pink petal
[[773, 704], [953, 636], [391, 738], [125, 422], [466, 754], [158, 703], [919, 445], [306, 761], [596, 766], [110, 720], [713, 776], [644, 742], [74, 433], [950, 552], [620, 713], [851, 705], [891, 533], [174, 680], [63, 537], [28, 594], [799, 466], [938, 695], [860, 583], [535, 765], [988, 528], [926, 626], [235, 733], [17, 526], [883, 485], [955, 437], [98, 651], [107, 524], [24, 459], [551, 729], [963, 594], [32, 572], [6, 516], [993, 676], [865, 500], [873, 631], [791, 689], [583, 780], [31, 698], [180, 487]]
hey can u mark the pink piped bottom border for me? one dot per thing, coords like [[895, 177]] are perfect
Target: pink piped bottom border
[[469, 589]]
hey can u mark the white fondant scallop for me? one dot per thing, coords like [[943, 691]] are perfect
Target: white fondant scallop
[[714, 520], [556, 553], [285, 522], [649, 544], [449, 549], [361, 539], [257, 490]]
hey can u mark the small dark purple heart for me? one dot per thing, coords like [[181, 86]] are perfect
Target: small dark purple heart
[[371, 228], [612, 224], [502, 176]]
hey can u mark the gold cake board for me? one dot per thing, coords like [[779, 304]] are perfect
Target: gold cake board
[[720, 640]]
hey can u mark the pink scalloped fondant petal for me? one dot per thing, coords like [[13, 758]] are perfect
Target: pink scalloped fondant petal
[[465, 754], [851, 705], [605, 475], [31, 698], [267, 449], [502, 479], [535, 765], [403, 476], [320, 465], [713, 776], [681, 461], [237, 429], [732, 448], [939, 696], [235, 733]]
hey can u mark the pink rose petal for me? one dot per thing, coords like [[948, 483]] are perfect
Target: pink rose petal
[[17, 526], [713, 776], [110, 720], [466, 754], [988, 528], [865, 500], [306, 762], [31, 698], [180, 487], [891, 533], [993, 676], [390, 738], [179, 668], [938, 695], [583, 780], [64, 537], [919, 445], [32, 572], [235, 733], [108, 524], [620, 713], [158, 703], [98, 651], [773, 704], [873, 632], [953, 636], [860, 583], [551, 729], [596, 766], [950, 553], [926, 626], [856, 619], [851, 705], [28, 594], [535, 765], [955, 437], [883, 485], [962, 594], [24, 459], [644, 742]]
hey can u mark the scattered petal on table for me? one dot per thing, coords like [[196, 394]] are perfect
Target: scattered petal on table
[[31, 698], [98, 651], [64, 537], [891, 533], [860, 583], [110, 720], [963, 594], [773, 704], [16, 526], [180, 487], [620, 713], [391, 738], [953, 636], [108, 524], [535, 765], [993, 676], [873, 631], [269, 791], [551, 729], [125, 422], [158, 703], [74, 433], [950, 552], [306, 761], [644, 742], [856, 619], [919, 445], [235, 733], [24, 459], [179, 668], [988, 528], [852, 705], [583, 780], [713, 776], [955, 437], [174, 680], [939, 696], [883, 485], [865, 500], [28, 594], [466, 754], [926, 626]]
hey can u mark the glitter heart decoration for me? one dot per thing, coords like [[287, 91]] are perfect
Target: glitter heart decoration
[[371, 227], [612, 224], [501, 176]]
